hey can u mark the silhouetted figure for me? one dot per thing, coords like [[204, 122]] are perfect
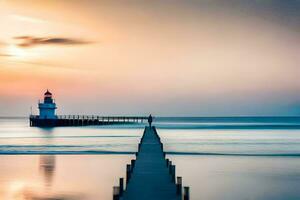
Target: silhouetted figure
[[150, 119]]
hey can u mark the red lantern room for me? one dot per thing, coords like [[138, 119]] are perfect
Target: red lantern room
[[48, 97]]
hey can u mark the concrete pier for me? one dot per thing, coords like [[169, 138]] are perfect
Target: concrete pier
[[151, 176]]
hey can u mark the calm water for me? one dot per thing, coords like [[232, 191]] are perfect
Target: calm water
[[219, 158]]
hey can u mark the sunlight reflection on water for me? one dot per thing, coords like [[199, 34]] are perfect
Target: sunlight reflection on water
[[65, 177]]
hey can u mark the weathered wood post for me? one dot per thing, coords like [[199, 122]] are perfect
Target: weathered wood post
[[173, 173], [128, 173], [121, 183], [179, 185], [116, 193], [186, 194], [170, 166], [132, 164]]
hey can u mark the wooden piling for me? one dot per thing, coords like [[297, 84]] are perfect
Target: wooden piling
[[128, 173], [173, 173], [179, 185], [121, 183], [170, 167], [132, 164], [186, 194], [116, 193]]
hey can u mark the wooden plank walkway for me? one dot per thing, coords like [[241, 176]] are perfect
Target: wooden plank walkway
[[150, 176]]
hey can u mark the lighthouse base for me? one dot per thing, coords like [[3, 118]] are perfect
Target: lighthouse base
[[44, 122]]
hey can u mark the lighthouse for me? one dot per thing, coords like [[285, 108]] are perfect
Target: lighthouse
[[47, 108]]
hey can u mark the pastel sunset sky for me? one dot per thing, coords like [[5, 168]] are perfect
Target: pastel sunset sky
[[167, 57]]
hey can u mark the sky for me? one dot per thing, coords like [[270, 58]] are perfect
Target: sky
[[167, 57]]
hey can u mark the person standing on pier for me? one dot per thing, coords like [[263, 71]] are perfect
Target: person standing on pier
[[150, 119]]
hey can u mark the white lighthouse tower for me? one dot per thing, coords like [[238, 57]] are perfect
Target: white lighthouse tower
[[47, 108]]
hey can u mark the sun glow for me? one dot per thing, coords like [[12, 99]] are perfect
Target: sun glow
[[17, 52], [16, 186], [20, 53]]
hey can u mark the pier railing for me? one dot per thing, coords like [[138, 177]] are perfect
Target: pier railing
[[84, 120]]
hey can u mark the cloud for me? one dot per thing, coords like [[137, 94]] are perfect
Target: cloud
[[2, 44], [30, 41], [5, 55], [27, 19], [41, 64]]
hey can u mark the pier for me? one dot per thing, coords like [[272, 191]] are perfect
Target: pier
[[151, 175], [83, 120], [48, 118]]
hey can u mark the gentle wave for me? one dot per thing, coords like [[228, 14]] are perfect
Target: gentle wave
[[99, 152], [232, 126], [63, 146], [91, 152], [200, 125], [234, 143], [236, 154], [81, 136]]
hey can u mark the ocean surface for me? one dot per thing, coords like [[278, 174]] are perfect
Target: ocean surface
[[220, 158]]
